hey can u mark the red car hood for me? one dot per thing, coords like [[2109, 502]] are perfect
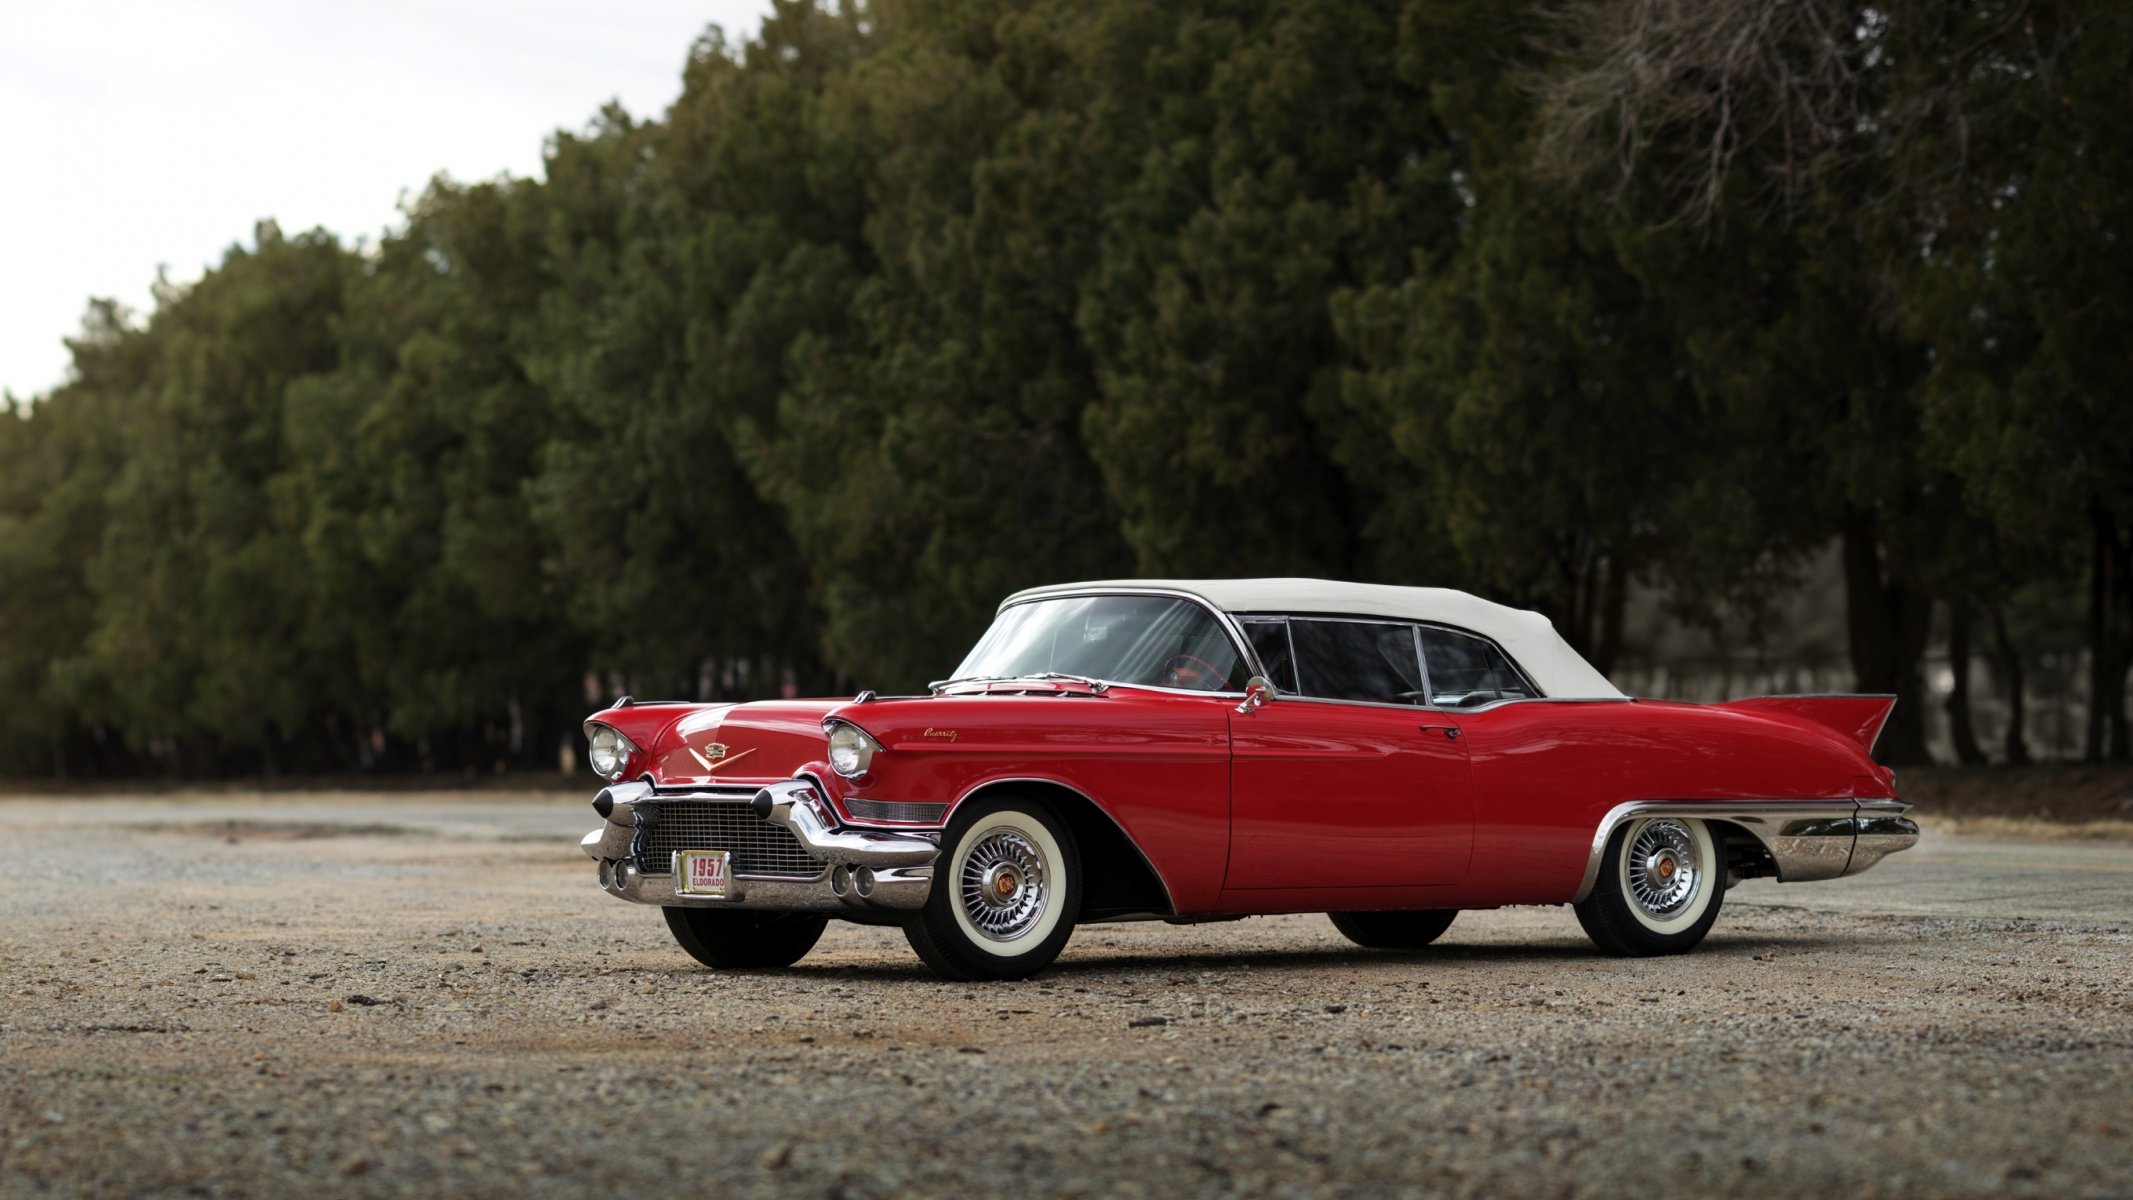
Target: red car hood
[[693, 745]]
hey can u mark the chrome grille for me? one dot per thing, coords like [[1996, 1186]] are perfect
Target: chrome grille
[[759, 847], [894, 810]]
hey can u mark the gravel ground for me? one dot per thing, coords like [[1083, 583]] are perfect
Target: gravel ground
[[364, 995]]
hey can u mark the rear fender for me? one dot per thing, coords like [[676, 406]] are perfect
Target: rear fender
[[1858, 717]]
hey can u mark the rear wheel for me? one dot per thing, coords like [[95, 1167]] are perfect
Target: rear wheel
[[1006, 891], [736, 938], [1661, 882], [1394, 930]]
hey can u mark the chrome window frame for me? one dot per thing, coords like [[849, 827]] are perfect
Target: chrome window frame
[[1260, 667], [1517, 668], [1414, 628], [1230, 630]]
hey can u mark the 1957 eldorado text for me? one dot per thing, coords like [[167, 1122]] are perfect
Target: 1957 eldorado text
[[1192, 750]]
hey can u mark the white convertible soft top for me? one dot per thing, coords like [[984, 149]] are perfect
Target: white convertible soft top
[[1527, 637]]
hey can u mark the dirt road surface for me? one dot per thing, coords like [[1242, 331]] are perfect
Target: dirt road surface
[[352, 995]]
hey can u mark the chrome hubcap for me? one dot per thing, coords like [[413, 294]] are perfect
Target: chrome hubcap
[[1663, 869], [1002, 885]]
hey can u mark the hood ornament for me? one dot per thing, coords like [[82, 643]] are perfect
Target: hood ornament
[[715, 755]]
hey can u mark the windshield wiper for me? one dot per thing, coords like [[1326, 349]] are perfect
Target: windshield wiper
[[1095, 685], [938, 684]]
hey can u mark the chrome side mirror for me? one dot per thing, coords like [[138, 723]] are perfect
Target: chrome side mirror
[[1257, 691]]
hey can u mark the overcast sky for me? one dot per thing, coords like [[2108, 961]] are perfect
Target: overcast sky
[[142, 132]]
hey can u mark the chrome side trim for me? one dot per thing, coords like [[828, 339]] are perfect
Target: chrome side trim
[[1808, 839]]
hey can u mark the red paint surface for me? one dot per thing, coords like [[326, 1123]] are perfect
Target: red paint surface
[[1859, 718], [1347, 795], [1302, 806]]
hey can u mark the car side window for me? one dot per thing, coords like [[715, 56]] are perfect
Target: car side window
[[1356, 660], [1270, 641], [1465, 670]]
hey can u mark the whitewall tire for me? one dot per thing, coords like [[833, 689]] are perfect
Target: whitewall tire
[[1662, 880], [1006, 891]]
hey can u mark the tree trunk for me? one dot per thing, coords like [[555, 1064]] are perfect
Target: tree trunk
[[2110, 643], [2016, 743], [1614, 605], [1887, 620], [1960, 730], [1593, 619], [2108, 693], [2099, 638]]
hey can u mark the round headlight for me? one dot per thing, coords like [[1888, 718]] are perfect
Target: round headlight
[[610, 752], [851, 751]]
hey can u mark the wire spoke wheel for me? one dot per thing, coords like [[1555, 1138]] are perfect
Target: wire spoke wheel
[[1659, 888], [1006, 891], [1663, 868], [1001, 884]]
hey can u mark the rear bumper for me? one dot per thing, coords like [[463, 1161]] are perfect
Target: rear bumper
[[859, 870], [1807, 839], [1882, 831]]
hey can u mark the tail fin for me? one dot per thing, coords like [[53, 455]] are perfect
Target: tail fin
[[1858, 717]]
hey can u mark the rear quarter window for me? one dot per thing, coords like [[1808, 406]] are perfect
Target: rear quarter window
[[1465, 670]]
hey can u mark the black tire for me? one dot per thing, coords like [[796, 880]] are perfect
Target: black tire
[[1012, 838], [1394, 930], [1621, 915], [738, 939]]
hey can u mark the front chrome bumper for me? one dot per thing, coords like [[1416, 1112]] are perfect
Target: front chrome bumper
[[1807, 839], [862, 871]]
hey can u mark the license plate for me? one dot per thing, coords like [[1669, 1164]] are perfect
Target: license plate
[[702, 872]]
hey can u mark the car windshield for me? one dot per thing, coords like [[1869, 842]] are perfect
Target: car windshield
[[1159, 641]]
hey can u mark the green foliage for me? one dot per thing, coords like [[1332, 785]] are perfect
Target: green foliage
[[903, 306]]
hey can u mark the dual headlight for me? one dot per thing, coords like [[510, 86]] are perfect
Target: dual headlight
[[610, 752], [851, 751]]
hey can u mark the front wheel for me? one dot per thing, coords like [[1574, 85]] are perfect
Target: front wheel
[[1006, 891], [1660, 885], [736, 938]]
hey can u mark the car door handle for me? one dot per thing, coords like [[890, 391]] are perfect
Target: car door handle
[[1451, 732]]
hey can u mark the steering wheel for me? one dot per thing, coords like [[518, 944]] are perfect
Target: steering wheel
[[1192, 671]]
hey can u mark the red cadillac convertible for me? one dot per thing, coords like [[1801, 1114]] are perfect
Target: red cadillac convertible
[[1200, 750]]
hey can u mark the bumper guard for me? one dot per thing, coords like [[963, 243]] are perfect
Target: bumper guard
[[861, 870]]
